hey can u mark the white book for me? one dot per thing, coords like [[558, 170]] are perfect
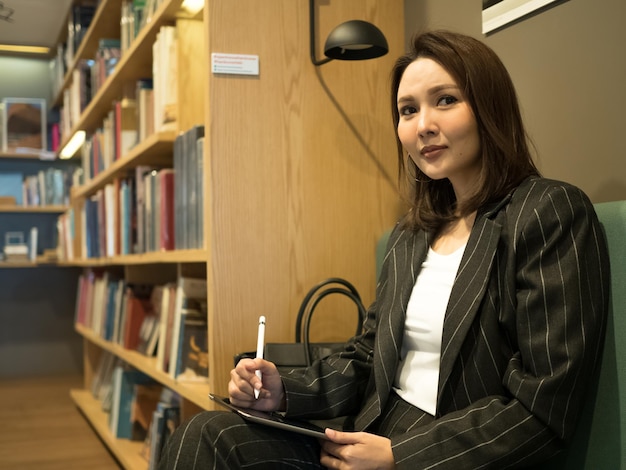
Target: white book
[[110, 219], [32, 244], [164, 325]]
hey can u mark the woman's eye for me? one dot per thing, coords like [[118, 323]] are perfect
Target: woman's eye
[[447, 100], [407, 110]]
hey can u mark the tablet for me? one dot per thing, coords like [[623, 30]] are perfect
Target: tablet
[[273, 419]]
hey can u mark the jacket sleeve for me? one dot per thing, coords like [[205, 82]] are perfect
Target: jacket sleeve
[[559, 300], [333, 387]]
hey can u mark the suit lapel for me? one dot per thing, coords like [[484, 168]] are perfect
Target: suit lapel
[[468, 291], [407, 256]]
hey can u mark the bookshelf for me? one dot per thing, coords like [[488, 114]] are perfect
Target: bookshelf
[[20, 217], [155, 150], [296, 176]]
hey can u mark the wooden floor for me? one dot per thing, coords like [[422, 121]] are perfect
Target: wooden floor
[[40, 428]]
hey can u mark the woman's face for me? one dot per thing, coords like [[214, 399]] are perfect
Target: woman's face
[[437, 126]]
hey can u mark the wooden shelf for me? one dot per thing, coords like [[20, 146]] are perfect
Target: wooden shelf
[[197, 393], [156, 151], [34, 209], [28, 264], [43, 156], [135, 64], [156, 257], [126, 451]]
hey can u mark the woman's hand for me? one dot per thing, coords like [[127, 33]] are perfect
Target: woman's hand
[[243, 382], [356, 450]]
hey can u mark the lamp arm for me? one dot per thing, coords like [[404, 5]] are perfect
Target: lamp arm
[[312, 36]]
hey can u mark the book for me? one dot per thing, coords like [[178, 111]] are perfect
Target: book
[[193, 361], [188, 189], [165, 326], [145, 400], [150, 211], [157, 301], [189, 291], [32, 244], [11, 185], [193, 196], [166, 209], [111, 309], [145, 108], [199, 176], [126, 133], [123, 395], [165, 419], [140, 208], [138, 306], [164, 72], [119, 313]]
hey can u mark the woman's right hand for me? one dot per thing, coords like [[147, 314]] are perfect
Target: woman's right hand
[[243, 382]]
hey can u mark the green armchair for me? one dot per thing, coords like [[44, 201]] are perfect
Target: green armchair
[[600, 440]]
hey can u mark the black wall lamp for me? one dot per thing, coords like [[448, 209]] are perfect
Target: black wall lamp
[[352, 40]]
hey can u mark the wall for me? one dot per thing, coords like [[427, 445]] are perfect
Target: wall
[[36, 304], [37, 336], [569, 70], [25, 78]]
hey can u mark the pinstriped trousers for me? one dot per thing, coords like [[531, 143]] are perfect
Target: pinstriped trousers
[[223, 440]]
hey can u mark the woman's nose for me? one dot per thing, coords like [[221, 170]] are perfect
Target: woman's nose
[[426, 124]]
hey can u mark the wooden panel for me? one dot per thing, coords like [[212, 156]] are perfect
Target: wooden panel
[[302, 167]]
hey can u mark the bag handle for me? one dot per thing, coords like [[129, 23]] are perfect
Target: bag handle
[[309, 303]]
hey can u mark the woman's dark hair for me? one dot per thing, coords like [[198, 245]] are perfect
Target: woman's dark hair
[[505, 160]]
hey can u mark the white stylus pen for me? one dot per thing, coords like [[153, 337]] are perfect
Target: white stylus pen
[[260, 346]]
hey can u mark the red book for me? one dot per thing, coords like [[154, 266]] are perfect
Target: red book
[[137, 309], [166, 185]]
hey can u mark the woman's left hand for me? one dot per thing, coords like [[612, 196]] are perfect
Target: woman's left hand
[[356, 450]]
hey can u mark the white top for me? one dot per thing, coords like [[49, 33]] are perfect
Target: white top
[[417, 376]]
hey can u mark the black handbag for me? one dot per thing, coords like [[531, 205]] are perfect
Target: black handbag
[[302, 352]]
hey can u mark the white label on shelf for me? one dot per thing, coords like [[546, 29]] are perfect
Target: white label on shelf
[[238, 64]]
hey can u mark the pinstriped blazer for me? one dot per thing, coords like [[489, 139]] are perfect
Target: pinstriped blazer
[[523, 332]]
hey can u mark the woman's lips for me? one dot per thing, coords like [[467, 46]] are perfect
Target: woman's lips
[[431, 151]]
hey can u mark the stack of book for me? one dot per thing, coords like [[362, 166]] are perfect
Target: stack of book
[[15, 248], [168, 321], [138, 408]]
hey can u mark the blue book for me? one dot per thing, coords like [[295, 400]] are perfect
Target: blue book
[[110, 309], [11, 185], [123, 384]]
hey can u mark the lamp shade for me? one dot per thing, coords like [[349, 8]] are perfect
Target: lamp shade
[[355, 40]]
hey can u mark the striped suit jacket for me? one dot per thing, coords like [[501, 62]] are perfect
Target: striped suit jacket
[[523, 332]]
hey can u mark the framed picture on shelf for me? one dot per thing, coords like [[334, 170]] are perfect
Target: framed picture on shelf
[[23, 124], [499, 13]]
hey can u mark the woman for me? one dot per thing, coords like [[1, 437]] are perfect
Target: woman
[[489, 313]]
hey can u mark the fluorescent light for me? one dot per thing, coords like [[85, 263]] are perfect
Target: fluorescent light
[[73, 145], [24, 49], [193, 6]]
